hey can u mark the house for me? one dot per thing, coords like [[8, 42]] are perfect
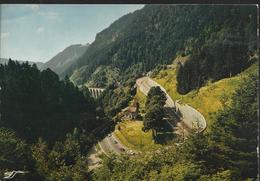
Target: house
[[131, 111]]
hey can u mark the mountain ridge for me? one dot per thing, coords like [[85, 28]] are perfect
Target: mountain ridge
[[5, 61], [157, 34], [64, 59]]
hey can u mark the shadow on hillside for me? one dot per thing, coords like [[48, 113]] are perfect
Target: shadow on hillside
[[164, 138], [165, 135]]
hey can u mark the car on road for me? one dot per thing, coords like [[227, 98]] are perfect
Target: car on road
[[131, 152]]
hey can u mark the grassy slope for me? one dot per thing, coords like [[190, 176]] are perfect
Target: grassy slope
[[207, 99], [132, 136]]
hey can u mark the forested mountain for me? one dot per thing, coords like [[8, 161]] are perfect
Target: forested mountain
[[48, 125], [5, 61], [63, 60], [219, 40]]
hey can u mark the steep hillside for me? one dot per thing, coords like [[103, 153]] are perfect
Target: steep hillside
[[216, 36], [207, 99], [63, 60]]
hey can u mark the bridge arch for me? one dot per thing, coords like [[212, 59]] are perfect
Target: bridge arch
[[95, 92]]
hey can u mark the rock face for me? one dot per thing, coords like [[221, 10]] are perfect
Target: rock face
[[63, 60]]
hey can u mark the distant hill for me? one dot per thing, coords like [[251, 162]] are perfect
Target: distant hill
[[63, 60], [5, 61], [60, 62]]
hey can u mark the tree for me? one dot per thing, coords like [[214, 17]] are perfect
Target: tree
[[65, 161], [154, 110], [15, 154], [156, 94], [153, 119], [34, 103], [219, 176], [240, 136], [232, 140]]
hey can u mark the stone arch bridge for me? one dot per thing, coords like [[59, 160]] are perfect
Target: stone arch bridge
[[95, 92]]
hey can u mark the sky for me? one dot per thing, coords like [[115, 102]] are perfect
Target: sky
[[39, 32]]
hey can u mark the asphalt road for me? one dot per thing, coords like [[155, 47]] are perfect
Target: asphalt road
[[191, 117], [94, 160], [179, 127], [111, 144], [145, 83]]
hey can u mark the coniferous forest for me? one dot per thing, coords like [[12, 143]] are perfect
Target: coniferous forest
[[203, 56], [53, 115], [217, 41]]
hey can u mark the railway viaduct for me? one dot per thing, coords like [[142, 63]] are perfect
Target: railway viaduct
[[95, 92]]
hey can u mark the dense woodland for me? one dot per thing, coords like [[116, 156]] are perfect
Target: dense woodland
[[220, 42], [37, 106], [219, 38], [48, 125], [227, 152]]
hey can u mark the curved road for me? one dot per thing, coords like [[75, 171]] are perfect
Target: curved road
[[184, 126], [111, 145]]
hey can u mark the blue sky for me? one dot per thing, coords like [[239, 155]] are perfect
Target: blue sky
[[38, 32]]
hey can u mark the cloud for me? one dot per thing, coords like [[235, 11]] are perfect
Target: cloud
[[49, 15], [34, 7], [5, 35], [40, 30]]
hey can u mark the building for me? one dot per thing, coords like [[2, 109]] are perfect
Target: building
[[131, 111]]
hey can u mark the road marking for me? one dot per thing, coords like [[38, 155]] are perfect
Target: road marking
[[102, 149]]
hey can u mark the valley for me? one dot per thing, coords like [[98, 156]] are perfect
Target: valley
[[128, 137], [166, 92]]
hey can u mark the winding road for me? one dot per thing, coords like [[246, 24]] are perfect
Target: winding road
[[111, 144], [180, 125], [190, 116]]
